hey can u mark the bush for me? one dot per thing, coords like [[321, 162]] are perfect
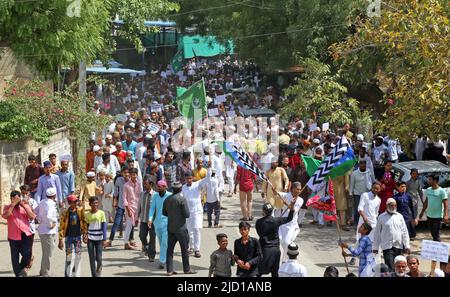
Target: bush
[[28, 111]]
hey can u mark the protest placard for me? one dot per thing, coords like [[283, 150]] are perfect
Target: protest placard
[[220, 99], [434, 250], [213, 112], [156, 108], [325, 126], [312, 127]]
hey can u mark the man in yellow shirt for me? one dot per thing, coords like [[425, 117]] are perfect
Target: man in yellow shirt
[[279, 179], [200, 173], [90, 189]]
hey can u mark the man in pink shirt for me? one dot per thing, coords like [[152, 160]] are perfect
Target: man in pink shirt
[[18, 214], [131, 193], [245, 179]]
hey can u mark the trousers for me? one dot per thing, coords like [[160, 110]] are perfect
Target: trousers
[[95, 250], [210, 207], [48, 243], [150, 246], [73, 257], [183, 238], [19, 248], [194, 239], [161, 233]]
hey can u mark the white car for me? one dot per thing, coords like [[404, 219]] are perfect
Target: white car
[[402, 173]]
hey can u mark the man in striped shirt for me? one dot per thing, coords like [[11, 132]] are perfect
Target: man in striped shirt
[[364, 248], [96, 236]]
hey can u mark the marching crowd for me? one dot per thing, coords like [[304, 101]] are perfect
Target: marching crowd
[[135, 178]]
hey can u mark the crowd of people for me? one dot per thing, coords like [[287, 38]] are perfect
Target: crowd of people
[[135, 178]]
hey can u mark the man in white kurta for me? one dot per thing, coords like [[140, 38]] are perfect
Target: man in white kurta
[[288, 232], [368, 207], [191, 191]]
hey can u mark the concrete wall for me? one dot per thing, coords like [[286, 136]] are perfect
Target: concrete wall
[[14, 159]]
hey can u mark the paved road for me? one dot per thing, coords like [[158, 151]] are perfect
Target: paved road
[[318, 249]]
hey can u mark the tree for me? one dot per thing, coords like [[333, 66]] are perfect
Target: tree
[[318, 94], [412, 38], [48, 34], [300, 26]]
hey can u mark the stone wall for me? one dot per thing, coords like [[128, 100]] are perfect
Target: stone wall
[[13, 69], [14, 159]]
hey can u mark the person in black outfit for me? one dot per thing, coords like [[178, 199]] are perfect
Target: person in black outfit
[[267, 229], [175, 208], [247, 252]]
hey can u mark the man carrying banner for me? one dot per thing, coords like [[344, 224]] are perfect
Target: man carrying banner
[[288, 232]]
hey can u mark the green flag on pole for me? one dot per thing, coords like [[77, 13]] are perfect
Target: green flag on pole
[[311, 164], [180, 91], [177, 61], [192, 103]]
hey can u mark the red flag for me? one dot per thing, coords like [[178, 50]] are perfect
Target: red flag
[[327, 205], [331, 214]]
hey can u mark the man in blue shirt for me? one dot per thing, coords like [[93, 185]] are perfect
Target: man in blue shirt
[[129, 144], [46, 181], [67, 180], [160, 221], [405, 206], [364, 248]]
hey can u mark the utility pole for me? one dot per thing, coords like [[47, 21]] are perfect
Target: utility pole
[[79, 147], [82, 82]]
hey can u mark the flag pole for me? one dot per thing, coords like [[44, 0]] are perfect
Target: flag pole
[[339, 233], [304, 187]]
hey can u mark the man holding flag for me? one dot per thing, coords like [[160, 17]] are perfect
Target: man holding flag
[[192, 103], [177, 61]]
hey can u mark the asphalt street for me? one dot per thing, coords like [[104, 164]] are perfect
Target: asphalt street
[[318, 249]]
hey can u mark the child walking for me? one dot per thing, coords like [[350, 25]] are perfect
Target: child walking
[[221, 259], [72, 227], [96, 236]]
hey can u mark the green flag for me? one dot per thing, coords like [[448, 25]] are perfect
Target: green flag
[[311, 164], [177, 61], [192, 103], [180, 91]]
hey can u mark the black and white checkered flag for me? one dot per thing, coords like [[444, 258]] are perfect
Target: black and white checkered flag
[[241, 158], [317, 181], [245, 161]]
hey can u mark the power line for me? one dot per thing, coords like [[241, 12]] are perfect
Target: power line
[[233, 38]]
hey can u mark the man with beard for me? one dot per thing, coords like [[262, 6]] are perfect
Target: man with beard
[[391, 234], [400, 265]]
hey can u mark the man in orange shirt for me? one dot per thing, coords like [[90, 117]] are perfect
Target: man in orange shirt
[[90, 155]]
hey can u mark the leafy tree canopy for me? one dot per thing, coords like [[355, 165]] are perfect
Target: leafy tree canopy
[[51, 33], [300, 26], [412, 37]]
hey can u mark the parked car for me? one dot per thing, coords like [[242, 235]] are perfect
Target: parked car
[[402, 173]]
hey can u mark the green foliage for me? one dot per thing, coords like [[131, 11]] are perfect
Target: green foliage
[[45, 36], [32, 111], [318, 94], [311, 26], [413, 38]]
